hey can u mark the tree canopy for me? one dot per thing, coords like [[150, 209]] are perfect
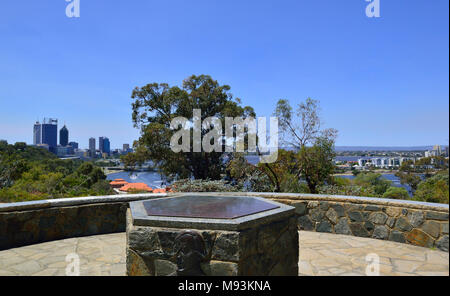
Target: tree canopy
[[155, 105]]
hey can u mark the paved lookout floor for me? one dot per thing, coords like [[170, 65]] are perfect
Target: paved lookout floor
[[320, 254]]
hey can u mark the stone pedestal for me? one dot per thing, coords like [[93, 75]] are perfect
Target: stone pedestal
[[250, 236]]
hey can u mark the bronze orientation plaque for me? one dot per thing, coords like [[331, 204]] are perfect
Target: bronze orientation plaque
[[213, 207]]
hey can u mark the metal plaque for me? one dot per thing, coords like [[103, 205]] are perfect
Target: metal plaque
[[213, 207]]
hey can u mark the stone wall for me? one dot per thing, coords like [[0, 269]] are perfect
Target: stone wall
[[41, 221], [421, 224], [416, 223]]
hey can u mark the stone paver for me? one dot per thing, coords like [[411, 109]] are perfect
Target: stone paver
[[334, 254], [320, 254]]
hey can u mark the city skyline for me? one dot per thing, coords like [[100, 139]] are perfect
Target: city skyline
[[381, 81], [47, 132]]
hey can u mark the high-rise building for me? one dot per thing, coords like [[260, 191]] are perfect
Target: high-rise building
[[64, 136], [37, 133], [49, 133], [104, 145], [92, 147], [437, 149], [100, 144], [126, 147]]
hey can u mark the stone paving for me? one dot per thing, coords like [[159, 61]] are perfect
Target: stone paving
[[320, 254]]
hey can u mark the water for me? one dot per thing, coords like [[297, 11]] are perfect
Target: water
[[152, 179]]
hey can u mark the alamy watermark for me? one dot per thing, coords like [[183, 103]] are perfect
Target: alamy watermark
[[73, 8], [373, 8], [233, 140], [73, 264], [373, 267]]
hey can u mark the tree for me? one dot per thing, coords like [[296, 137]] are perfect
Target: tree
[[396, 193], [379, 184], [410, 179], [302, 130], [154, 107], [434, 189], [311, 158]]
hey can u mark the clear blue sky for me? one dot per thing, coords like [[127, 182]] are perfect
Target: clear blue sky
[[381, 81]]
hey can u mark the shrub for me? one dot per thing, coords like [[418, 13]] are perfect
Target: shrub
[[187, 185], [396, 193]]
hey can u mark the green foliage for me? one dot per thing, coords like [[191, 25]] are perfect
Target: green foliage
[[204, 186], [32, 173], [350, 190], [379, 184], [156, 105], [434, 189], [409, 178], [316, 163], [396, 193]]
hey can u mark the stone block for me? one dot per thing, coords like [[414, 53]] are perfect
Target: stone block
[[340, 211], [380, 232], [300, 208], [397, 236], [378, 218], [304, 223], [393, 211], [441, 216], [332, 215], [342, 227], [419, 238], [358, 230], [355, 216], [402, 224], [442, 243], [416, 218], [433, 228], [324, 226], [444, 228]]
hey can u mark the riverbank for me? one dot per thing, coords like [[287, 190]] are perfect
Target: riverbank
[[108, 172], [377, 172]]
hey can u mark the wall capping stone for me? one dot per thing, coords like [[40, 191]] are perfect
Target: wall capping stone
[[75, 201]]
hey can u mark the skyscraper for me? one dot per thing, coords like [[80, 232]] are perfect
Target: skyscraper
[[92, 147], [64, 136], [100, 144], [37, 133], [104, 145], [46, 133]]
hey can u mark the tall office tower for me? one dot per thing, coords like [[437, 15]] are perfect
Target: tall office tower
[[37, 133], [100, 144], [64, 136], [92, 147], [126, 147], [104, 145], [49, 133]]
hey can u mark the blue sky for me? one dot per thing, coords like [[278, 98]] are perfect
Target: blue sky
[[381, 81]]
